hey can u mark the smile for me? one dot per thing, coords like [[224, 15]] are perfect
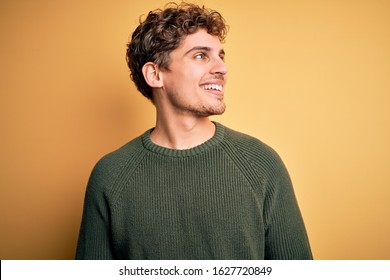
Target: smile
[[213, 87]]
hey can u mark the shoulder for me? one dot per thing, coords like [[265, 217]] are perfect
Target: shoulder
[[121, 156], [257, 161], [114, 165], [250, 147], [260, 163]]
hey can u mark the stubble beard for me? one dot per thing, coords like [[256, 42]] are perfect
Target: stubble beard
[[197, 109]]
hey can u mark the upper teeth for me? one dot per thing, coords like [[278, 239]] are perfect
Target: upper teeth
[[215, 87]]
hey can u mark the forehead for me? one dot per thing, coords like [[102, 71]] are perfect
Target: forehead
[[202, 39]]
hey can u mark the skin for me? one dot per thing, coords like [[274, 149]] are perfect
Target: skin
[[191, 90]]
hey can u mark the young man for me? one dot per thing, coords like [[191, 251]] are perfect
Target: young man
[[189, 188]]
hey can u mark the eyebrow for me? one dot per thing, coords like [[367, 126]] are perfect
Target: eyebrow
[[200, 48]]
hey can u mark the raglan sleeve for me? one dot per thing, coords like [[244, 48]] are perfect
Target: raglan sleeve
[[285, 232], [94, 240]]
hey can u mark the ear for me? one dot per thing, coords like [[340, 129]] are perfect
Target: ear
[[151, 75]]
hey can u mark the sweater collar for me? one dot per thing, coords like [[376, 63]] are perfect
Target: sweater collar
[[214, 141]]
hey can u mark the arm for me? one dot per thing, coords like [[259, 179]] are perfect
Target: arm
[[286, 236], [95, 237]]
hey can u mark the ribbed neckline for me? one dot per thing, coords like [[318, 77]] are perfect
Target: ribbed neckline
[[215, 140]]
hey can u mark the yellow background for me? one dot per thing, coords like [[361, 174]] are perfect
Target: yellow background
[[310, 78]]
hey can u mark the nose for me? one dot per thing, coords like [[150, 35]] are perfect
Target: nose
[[219, 67]]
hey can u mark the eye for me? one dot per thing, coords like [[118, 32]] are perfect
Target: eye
[[222, 56], [200, 56]]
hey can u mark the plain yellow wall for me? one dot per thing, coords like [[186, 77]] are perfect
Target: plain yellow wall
[[310, 78]]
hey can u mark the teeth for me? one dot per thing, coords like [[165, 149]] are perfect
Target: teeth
[[212, 86]]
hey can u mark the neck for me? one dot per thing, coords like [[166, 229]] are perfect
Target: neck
[[182, 133]]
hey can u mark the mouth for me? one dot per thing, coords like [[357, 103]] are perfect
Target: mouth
[[213, 88]]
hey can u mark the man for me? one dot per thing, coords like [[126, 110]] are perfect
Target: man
[[189, 188]]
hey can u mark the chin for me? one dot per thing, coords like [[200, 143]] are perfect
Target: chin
[[216, 111]]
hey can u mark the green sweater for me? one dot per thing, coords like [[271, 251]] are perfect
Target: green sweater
[[228, 198]]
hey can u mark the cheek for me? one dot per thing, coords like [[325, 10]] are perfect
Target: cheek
[[186, 78], [189, 74]]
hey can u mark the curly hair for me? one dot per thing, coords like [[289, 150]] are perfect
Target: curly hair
[[161, 33]]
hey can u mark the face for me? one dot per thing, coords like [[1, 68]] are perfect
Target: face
[[195, 80]]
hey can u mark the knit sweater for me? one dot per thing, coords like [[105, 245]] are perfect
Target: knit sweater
[[228, 198]]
